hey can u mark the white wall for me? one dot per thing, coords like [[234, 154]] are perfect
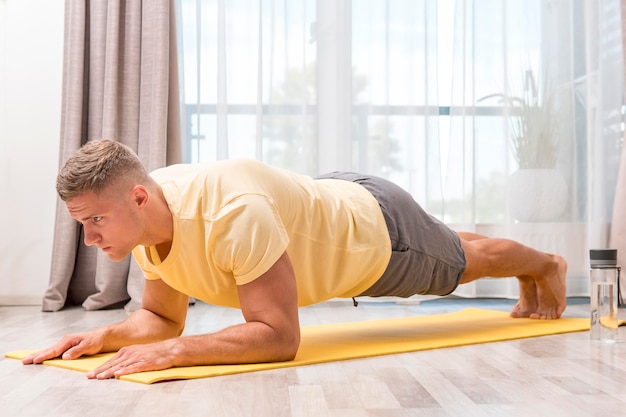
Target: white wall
[[31, 52]]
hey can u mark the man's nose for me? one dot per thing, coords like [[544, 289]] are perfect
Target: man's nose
[[91, 237]]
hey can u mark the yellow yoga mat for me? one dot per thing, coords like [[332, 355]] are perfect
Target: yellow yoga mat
[[333, 342]]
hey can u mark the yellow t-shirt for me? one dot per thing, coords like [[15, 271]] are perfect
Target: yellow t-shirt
[[234, 219]]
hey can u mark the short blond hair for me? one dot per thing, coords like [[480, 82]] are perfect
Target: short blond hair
[[96, 166]]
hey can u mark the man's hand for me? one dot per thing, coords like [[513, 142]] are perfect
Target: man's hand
[[70, 347], [161, 317], [136, 358]]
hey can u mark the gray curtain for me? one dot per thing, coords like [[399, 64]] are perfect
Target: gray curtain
[[120, 82]]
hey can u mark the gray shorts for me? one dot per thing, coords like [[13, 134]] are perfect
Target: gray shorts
[[426, 257]]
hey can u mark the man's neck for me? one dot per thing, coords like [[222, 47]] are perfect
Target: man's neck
[[160, 223]]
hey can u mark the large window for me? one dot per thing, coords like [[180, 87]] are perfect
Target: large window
[[425, 93]]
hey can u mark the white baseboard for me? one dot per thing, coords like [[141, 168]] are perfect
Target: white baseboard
[[20, 300]]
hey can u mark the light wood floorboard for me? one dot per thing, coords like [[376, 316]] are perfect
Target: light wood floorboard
[[546, 376]]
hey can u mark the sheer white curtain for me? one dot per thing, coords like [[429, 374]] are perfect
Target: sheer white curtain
[[424, 93]]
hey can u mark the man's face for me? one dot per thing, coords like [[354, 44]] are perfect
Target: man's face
[[111, 223]]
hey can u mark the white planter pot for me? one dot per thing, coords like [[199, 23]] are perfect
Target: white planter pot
[[537, 195]]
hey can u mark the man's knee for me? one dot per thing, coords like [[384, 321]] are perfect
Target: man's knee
[[473, 260]]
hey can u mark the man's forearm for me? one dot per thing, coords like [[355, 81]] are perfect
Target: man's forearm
[[252, 342], [142, 326]]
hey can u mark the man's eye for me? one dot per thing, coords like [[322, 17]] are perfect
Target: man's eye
[[96, 219]]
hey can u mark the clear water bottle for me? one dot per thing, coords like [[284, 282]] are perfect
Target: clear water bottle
[[604, 276]]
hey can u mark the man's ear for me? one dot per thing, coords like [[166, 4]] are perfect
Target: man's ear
[[140, 195]]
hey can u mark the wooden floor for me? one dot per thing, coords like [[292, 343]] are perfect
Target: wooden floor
[[562, 375]]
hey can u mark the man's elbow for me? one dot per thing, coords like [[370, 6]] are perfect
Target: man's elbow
[[175, 329], [290, 347]]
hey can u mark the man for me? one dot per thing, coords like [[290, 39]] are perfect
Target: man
[[265, 240]]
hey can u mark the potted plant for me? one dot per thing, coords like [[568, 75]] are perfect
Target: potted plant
[[537, 190]]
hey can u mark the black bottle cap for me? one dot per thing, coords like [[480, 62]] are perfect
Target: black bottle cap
[[603, 256]]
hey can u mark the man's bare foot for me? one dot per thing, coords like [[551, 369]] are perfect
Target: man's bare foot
[[551, 295], [527, 303], [541, 275]]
